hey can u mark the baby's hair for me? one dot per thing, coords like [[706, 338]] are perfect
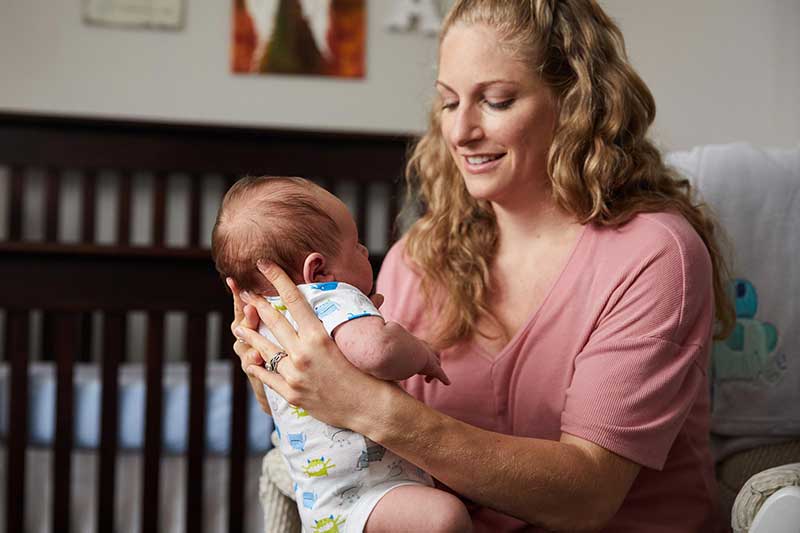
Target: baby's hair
[[275, 218]]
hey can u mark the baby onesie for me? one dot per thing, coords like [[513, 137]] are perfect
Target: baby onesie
[[339, 476]]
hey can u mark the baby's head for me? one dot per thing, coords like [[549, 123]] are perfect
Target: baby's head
[[294, 223]]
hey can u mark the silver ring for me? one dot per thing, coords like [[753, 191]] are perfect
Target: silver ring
[[272, 364], [239, 339]]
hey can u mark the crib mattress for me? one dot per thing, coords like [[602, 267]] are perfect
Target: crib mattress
[[132, 394]]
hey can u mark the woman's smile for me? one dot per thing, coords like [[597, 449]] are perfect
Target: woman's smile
[[482, 163]]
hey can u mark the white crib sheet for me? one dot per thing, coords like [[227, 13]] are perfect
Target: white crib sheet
[[175, 421]]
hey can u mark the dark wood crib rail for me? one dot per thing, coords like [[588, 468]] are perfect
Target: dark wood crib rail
[[67, 281]]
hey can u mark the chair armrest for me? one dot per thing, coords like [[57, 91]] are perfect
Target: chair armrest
[[276, 495], [758, 490]]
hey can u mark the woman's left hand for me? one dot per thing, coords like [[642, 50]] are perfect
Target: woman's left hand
[[315, 376]]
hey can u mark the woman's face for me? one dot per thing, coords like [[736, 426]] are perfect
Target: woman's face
[[498, 116]]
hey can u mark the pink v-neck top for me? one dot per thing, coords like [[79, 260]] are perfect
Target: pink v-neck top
[[616, 354]]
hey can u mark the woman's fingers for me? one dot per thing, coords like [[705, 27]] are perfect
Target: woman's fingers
[[273, 319], [291, 296], [251, 317], [247, 354], [274, 380], [238, 312]]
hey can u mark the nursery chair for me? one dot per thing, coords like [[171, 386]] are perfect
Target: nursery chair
[[755, 373]]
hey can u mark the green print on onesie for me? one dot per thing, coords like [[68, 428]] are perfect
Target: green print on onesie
[[317, 467], [328, 525], [299, 412]]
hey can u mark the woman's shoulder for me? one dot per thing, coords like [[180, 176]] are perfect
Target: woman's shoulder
[[656, 262], [646, 236]]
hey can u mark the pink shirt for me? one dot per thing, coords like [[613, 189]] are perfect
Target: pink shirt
[[616, 354]]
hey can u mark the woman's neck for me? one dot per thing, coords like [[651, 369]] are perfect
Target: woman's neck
[[533, 219]]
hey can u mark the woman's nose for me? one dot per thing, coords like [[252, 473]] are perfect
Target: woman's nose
[[467, 126]]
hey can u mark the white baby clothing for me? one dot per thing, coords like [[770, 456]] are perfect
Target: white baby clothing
[[339, 476]]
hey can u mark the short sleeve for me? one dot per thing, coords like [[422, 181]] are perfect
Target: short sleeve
[[643, 368], [335, 303]]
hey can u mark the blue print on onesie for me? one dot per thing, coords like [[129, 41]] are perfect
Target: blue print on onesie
[[339, 476]]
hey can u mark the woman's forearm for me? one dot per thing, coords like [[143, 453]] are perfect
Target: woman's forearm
[[546, 483]]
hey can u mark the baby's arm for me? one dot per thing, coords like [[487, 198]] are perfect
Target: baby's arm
[[386, 350]]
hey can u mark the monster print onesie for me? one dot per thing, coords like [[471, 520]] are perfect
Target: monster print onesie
[[339, 476]]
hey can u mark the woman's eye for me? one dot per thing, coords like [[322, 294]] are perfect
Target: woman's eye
[[449, 106], [503, 104]]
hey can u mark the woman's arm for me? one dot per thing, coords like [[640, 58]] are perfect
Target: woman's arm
[[571, 484]]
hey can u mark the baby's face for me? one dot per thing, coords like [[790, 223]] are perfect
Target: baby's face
[[352, 264]]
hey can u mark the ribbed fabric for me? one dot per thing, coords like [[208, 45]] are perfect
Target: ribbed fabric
[[616, 354]]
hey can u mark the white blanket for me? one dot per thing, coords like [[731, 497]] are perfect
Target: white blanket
[[756, 372]]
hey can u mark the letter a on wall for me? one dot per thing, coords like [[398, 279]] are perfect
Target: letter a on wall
[[409, 15]]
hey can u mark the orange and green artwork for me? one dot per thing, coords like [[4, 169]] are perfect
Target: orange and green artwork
[[307, 37]]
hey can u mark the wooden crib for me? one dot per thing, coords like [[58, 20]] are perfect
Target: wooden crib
[[125, 261]]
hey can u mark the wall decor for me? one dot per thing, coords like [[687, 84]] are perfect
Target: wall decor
[[305, 37], [415, 15], [157, 14]]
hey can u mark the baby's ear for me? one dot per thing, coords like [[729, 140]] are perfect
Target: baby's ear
[[315, 269]]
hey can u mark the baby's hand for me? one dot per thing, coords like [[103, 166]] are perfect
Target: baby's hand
[[433, 369]]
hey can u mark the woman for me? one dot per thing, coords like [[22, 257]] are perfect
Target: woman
[[565, 274]]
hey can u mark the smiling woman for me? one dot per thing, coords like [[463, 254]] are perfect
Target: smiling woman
[[567, 277]]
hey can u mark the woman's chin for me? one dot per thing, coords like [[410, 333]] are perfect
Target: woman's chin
[[482, 191]]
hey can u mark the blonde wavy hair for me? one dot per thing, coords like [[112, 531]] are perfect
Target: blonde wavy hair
[[602, 168]]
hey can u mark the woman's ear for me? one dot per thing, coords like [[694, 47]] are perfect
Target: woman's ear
[[315, 269]]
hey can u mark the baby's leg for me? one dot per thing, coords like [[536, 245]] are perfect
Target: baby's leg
[[419, 508]]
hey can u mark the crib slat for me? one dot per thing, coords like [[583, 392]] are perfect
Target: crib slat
[[325, 183], [124, 210], [152, 438], [114, 334], [15, 198], [395, 192], [84, 350], [89, 193], [195, 201], [47, 339], [17, 352], [159, 208], [52, 205], [362, 193], [196, 347], [65, 328], [239, 386], [239, 391]]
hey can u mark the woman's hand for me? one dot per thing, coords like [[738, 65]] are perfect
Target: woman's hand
[[246, 316], [315, 376]]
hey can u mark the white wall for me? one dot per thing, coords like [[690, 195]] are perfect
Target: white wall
[[721, 70], [50, 61]]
